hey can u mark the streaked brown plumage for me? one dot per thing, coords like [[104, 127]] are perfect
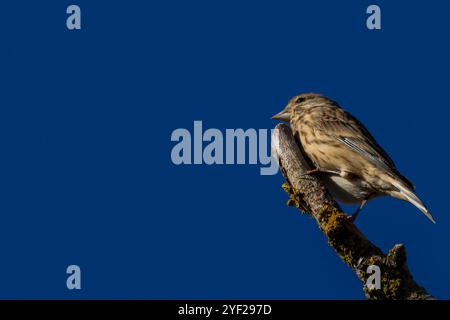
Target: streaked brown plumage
[[346, 157]]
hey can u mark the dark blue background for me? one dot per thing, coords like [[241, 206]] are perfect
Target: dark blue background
[[86, 118]]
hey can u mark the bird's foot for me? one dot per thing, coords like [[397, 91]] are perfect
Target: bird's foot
[[352, 218], [318, 171]]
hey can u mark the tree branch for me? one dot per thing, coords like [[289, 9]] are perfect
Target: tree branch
[[309, 195]]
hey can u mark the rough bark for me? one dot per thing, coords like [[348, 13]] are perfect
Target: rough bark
[[309, 195]]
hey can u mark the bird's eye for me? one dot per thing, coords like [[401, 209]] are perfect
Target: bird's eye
[[300, 100]]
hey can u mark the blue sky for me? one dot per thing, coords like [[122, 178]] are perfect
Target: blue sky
[[87, 116]]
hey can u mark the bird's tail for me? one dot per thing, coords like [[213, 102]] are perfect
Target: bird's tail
[[405, 193]]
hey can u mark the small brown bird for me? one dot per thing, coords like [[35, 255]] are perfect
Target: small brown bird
[[346, 157]]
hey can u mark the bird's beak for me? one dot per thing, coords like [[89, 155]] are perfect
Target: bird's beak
[[283, 116]]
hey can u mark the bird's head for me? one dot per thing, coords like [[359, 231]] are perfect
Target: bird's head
[[299, 103]]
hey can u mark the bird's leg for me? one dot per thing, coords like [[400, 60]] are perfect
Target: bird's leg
[[353, 217], [318, 170]]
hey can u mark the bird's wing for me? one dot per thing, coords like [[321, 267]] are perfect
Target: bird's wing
[[351, 132]]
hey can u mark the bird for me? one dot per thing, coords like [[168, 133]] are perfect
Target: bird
[[344, 154]]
